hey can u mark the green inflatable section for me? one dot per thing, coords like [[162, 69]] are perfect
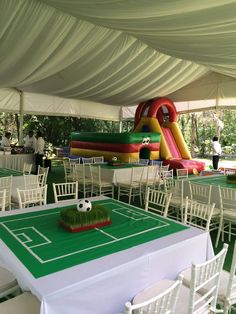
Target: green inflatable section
[[115, 138]]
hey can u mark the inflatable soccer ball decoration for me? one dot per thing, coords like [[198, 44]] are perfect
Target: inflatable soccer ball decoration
[[84, 205]]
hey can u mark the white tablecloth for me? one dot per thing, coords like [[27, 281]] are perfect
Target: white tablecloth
[[102, 286], [17, 161]]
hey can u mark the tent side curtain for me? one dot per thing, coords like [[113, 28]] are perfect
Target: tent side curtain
[[38, 104]]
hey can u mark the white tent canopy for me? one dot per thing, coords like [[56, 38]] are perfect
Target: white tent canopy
[[93, 57]]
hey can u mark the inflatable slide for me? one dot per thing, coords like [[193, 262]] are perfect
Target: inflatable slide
[[159, 115]]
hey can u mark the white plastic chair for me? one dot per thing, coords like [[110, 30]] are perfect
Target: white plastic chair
[[2, 200], [158, 201], [226, 296], [177, 204], [131, 186], [191, 300], [24, 303], [182, 173], [32, 197], [6, 184], [162, 303], [198, 214], [43, 170], [82, 174], [133, 160], [99, 185], [98, 160], [67, 170], [228, 213], [64, 191], [87, 160], [27, 168], [34, 181], [150, 178], [200, 192], [8, 284]]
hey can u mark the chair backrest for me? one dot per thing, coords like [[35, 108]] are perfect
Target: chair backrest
[[98, 160], [27, 168], [87, 160], [34, 181], [31, 197], [95, 174], [43, 170], [227, 198], [133, 160], [3, 199], [163, 303], [167, 174], [6, 184], [200, 192], [198, 214], [143, 161], [206, 275], [182, 173], [158, 201], [74, 160], [231, 287], [64, 191], [67, 169]]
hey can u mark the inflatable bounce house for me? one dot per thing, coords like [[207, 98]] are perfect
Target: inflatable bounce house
[[156, 136], [124, 146], [159, 115]]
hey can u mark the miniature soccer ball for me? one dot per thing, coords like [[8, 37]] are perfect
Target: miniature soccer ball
[[114, 158], [84, 205]]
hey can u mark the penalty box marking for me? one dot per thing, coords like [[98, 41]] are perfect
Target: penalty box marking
[[83, 250]]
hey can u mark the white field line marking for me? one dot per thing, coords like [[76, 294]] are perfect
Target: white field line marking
[[26, 237], [25, 246], [79, 251], [47, 241], [107, 234]]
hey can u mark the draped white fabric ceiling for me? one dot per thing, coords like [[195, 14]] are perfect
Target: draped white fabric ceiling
[[103, 55]]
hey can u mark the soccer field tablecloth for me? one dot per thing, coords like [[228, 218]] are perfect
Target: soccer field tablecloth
[[215, 180], [4, 172], [44, 247]]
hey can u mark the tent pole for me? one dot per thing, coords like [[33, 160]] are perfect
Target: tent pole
[[21, 118], [120, 121]]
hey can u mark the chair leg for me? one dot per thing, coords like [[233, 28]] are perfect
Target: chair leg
[[221, 224]]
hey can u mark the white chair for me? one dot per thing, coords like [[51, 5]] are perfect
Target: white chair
[[2, 200], [67, 170], [182, 173], [162, 303], [32, 197], [158, 201], [176, 208], [191, 299], [200, 192], [131, 186], [227, 288], [27, 168], [87, 160], [228, 212], [43, 170], [34, 181], [64, 191], [24, 303], [74, 160], [133, 160], [98, 160], [198, 214], [150, 178], [143, 161], [99, 185], [8, 283], [6, 184], [82, 174]]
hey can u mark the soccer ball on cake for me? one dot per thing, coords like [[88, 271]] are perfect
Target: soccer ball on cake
[[114, 158], [84, 205]]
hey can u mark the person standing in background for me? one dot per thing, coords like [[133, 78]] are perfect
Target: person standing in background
[[30, 141], [216, 152], [39, 150], [6, 140]]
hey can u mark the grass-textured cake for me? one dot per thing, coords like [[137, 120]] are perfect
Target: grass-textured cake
[[75, 221], [231, 178]]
